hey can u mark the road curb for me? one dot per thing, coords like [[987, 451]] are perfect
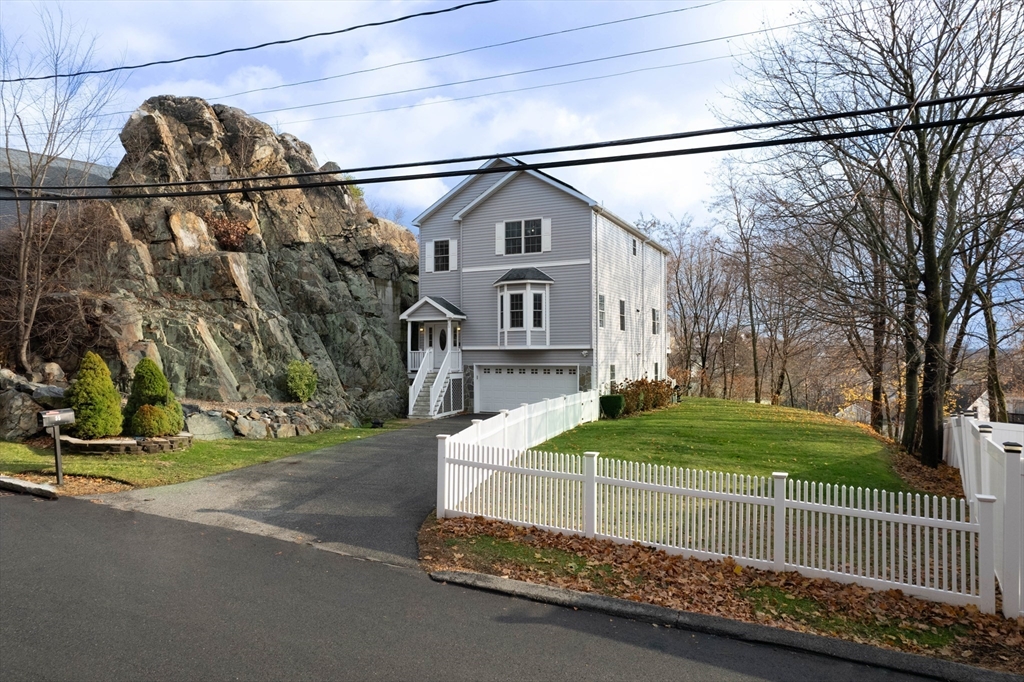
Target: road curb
[[27, 487], [724, 627]]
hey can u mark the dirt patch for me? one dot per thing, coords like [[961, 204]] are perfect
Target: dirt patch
[[76, 485], [723, 588]]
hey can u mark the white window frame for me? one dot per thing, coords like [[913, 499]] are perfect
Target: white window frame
[[534, 336], [622, 315], [522, 310], [655, 322], [453, 255], [545, 236], [600, 310], [611, 372]]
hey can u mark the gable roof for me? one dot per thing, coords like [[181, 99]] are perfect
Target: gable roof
[[513, 172], [443, 305], [523, 275]]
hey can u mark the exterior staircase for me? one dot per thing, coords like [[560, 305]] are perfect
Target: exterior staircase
[[421, 408]]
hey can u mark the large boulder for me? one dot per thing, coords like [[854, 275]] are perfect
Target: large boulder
[[51, 397], [18, 416], [207, 427], [222, 291]]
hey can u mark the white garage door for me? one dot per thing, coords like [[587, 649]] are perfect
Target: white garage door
[[506, 387]]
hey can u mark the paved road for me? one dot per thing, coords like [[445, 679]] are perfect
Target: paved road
[[365, 497], [88, 592]]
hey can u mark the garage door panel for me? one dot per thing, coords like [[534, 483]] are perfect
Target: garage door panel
[[506, 387]]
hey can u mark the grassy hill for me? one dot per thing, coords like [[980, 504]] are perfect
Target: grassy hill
[[743, 438]]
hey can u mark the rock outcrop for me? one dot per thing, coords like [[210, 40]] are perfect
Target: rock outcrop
[[224, 290]]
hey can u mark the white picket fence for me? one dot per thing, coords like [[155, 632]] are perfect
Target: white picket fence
[[990, 463], [931, 547]]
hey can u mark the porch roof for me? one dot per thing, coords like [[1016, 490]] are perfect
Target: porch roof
[[445, 308], [523, 275]]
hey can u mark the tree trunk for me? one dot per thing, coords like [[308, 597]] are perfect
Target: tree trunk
[[912, 371], [996, 398]]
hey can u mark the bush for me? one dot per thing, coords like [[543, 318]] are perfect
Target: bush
[[150, 388], [301, 380], [96, 402], [612, 405], [151, 420], [642, 395]]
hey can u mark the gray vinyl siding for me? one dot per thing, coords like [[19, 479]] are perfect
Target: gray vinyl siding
[[523, 198], [440, 225], [568, 313], [639, 281]]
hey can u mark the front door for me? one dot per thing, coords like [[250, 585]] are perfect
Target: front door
[[437, 338]]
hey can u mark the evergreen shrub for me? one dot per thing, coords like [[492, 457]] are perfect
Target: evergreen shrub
[[151, 420], [301, 380], [96, 402], [612, 405], [150, 387]]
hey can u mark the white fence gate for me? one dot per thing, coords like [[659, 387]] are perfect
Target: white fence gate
[[936, 548], [989, 459]]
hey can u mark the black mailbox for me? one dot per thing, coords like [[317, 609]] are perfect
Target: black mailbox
[[50, 418]]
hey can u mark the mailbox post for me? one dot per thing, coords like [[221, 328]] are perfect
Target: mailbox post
[[53, 419]]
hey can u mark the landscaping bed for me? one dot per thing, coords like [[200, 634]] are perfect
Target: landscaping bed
[[742, 438], [723, 588]]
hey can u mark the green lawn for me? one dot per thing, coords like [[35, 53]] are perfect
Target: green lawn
[[743, 438], [204, 458]]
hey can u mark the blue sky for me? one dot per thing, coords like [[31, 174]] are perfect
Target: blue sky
[[652, 102]]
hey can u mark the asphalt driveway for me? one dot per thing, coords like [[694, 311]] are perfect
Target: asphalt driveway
[[366, 497]]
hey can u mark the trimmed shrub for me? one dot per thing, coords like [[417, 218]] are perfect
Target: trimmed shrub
[[151, 420], [301, 380], [612, 405], [96, 402], [150, 388]]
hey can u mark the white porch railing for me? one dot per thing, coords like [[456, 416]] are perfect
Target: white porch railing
[[439, 381], [416, 359], [421, 377]]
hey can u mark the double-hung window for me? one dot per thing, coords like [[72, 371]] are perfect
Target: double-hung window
[[515, 311], [513, 237], [600, 310], [655, 326], [538, 311], [622, 315], [441, 255]]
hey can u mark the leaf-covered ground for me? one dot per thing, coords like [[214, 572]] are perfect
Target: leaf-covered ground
[[723, 588]]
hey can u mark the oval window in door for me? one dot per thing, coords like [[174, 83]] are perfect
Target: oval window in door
[[442, 338]]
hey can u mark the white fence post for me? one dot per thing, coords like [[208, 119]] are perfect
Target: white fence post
[[504, 428], [526, 425], [1013, 512], [779, 522], [590, 493], [986, 553], [984, 435], [442, 474], [476, 431]]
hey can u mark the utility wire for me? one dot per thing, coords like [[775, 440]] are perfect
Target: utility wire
[[543, 165], [525, 71], [251, 47], [744, 127], [466, 51]]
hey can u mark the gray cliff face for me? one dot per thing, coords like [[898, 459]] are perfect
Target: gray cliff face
[[224, 290]]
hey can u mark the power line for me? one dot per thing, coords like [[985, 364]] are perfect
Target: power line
[[525, 71], [544, 165], [505, 92], [251, 47], [466, 51], [667, 137]]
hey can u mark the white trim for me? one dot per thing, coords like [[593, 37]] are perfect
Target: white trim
[[452, 192], [428, 265], [545, 235], [535, 348], [602, 211], [505, 179], [506, 266], [440, 308]]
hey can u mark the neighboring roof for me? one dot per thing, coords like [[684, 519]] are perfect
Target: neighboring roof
[[512, 163], [523, 275], [61, 173], [442, 304]]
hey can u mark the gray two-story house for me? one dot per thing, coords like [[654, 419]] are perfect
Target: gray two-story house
[[529, 289]]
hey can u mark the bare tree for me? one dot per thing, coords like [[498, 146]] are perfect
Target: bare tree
[[864, 53], [52, 137]]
